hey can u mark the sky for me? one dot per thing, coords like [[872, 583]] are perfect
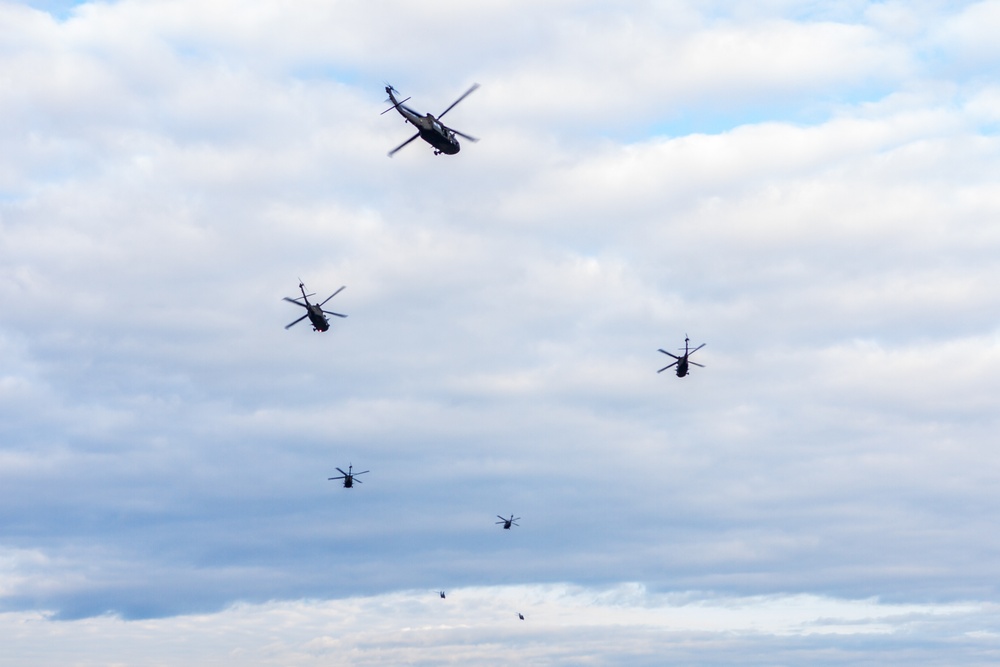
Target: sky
[[808, 188]]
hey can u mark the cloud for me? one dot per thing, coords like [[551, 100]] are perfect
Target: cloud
[[171, 172], [563, 625]]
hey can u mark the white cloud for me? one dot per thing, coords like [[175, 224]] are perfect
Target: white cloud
[[563, 625], [969, 33]]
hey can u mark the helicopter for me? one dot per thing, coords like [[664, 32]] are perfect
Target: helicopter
[[348, 476], [441, 593], [682, 361], [429, 128], [314, 311], [507, 523]]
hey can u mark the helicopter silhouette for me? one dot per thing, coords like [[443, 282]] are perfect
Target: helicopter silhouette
[[348, 476], [507, 523], [314, 311], [429, 128], [442, 594], [682, 361]]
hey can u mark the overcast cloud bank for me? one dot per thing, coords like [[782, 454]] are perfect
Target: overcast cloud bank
[[624, 624]]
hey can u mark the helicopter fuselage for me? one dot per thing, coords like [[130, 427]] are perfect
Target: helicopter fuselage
[[430, 128], [682, 360], [442, 140], [507, 523], [316, 317], [348, 476], [314, 311]]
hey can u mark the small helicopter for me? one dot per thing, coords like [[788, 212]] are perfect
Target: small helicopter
[[348, 476], [682, 361], [520, 615], [314, 311], [429, 128], [442, 594], [507, 523]]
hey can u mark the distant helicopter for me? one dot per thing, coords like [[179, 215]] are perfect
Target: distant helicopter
[[348, 476], [429, 128], [507, 523], [314, 311], [520, 615], [682, 361], [442, 594]]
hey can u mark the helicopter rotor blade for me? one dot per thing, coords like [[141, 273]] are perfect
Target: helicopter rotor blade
[[669, 354], [361, 473], [666, 367], [333, 295], [396, 149], [333, 478], [342, 472], [394, 105], [464, 95], [695, 363], [697, 348], [464, 135], [330, 312], [289, 326], [295, 301]]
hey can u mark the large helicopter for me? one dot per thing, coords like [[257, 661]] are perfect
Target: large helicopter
[[314, 311], [507, 523], [682, 361], [429, 128], [348, 476]]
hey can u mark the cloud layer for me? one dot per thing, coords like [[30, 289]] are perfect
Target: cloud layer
[[808, 190], [562, 625]]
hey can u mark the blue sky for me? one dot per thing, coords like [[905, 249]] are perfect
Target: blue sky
[[807, 188]]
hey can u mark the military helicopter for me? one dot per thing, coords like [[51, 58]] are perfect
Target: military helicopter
[[441, 593], [314, 311], [682, 361], [507, 523], [429, 128], [348, 476]]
